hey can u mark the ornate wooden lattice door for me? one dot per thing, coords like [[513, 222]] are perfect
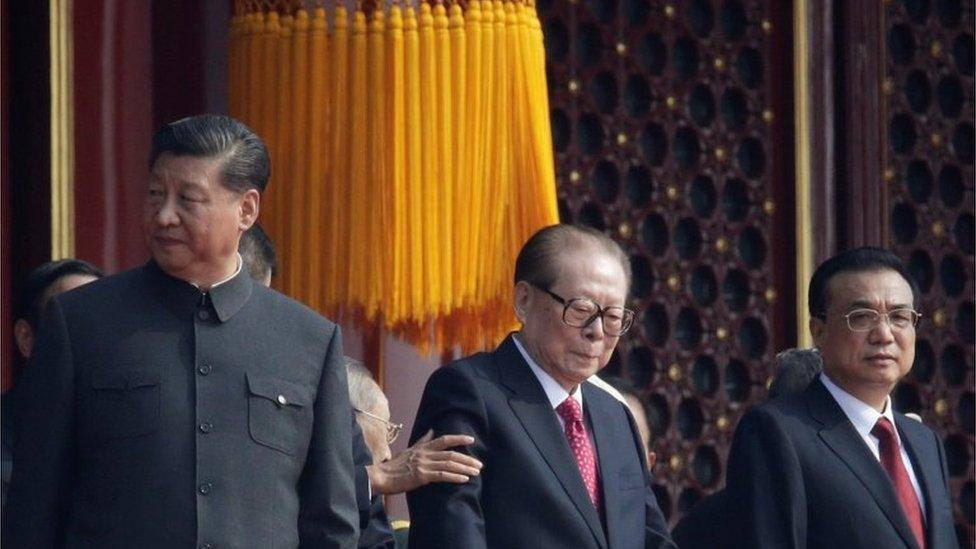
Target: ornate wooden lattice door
[[928, 93], [672, 125]]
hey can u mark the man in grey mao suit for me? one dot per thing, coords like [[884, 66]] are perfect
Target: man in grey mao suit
[[180, 404], [564, 465], [835, 466]]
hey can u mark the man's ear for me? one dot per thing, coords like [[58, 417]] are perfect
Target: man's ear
[[250, 206], [24, 337], [523, 298], [817, 327]]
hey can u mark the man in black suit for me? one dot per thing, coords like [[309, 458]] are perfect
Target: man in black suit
[[180, 404], [835, 466], [563, 460]]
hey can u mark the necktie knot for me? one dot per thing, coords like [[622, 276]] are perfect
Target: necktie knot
[[570, 411], [884, 430]]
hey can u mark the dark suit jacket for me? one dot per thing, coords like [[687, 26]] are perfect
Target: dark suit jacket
[[799, 475], [530, 492], [153, 415], [703, 526]]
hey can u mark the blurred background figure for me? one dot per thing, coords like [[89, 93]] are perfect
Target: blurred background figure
[[628, 393], [795, 369], [258, 254], [43, 283]]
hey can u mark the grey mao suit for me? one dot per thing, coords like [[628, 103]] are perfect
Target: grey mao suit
[[154, 415]]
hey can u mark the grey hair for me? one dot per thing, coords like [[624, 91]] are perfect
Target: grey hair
[[795, 369], [536, 262], [364, 392]]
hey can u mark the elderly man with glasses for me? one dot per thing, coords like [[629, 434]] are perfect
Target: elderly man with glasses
[[564, 464], [835, 465]]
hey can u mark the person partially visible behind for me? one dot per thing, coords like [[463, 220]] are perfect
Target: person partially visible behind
[[428, 460], [795, 369], [835, 466], [43, 283], [628, 392], [703, 526], [564, 463], [258, 254]]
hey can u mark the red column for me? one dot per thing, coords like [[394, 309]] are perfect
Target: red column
[[113, 126]]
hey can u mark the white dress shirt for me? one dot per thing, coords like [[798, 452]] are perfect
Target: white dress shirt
[[864, 417], [554, 391]]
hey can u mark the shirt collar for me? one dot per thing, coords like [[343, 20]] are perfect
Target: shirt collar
[[554, 391], [861, 415], [237, 271]]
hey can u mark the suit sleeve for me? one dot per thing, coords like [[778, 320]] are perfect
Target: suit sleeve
[[329, 515], [37, 504], [445, 514], [764, 485]]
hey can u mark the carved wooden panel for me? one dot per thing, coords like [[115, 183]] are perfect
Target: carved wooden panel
[[930, 146], [672, 125]]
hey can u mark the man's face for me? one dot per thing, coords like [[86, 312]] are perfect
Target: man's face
[[192, 222], [571, 355], [871, 362], [374, 430]]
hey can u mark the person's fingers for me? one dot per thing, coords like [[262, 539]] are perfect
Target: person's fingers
[[455, 467], [449, 441], [464, 459], [443, 476]]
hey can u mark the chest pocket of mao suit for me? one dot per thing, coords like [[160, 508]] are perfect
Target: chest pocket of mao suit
[[125, 403], [279, 413]]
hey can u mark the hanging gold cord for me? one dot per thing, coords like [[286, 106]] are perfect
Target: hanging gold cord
[[318, 66], [412, 157]]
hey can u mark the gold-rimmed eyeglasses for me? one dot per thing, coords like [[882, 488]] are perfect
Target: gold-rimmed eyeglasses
[[392, 429], [865, 320], [580, 312]]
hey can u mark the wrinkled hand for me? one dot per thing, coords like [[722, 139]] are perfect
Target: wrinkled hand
[[429, 460]]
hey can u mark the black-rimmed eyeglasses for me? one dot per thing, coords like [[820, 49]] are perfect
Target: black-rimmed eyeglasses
[[580, 312], [392, 429]]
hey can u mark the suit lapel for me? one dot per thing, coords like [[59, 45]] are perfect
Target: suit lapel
[[925, 462], [533, 410], [607, 451], [843, 440]]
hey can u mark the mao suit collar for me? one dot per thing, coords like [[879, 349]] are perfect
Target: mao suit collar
[[532, 407], [183, 298], [839, 435]]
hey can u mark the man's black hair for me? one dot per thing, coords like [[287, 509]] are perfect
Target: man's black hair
[[247, 164], [860, 260], [258, 253], [33, 296]]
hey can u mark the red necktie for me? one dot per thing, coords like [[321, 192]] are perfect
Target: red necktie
[[892, 463], [582, 449]]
